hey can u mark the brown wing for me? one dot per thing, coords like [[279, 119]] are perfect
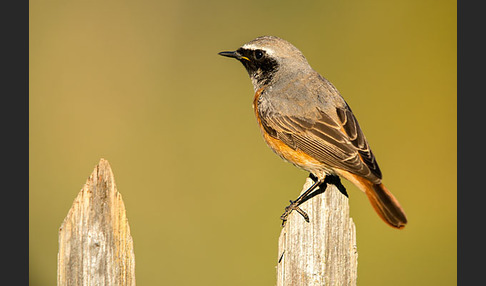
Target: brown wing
[[336, 143]]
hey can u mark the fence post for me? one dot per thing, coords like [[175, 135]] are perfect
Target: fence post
[[95, 245], [323, 251]]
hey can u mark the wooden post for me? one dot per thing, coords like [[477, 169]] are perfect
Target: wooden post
[[323, 251], [95, 246]]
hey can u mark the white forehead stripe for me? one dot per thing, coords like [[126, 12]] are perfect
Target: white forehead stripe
[[256, 47]]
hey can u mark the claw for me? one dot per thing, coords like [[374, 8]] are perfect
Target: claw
[[288, 209]]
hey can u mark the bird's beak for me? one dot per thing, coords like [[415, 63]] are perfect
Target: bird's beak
[[233, 54]]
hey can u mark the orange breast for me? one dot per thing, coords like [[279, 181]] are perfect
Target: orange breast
[[296, 157]]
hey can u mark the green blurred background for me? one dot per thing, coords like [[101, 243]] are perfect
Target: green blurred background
[[140, 84]]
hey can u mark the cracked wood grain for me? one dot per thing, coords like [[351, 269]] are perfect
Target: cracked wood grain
[[323, 251], [95, 245]]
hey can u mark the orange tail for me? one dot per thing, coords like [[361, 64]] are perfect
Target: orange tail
[[386, 205]]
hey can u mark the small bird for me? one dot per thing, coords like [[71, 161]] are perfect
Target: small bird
[[304, 120]]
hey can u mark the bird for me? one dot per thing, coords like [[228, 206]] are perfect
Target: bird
[[304, 119]]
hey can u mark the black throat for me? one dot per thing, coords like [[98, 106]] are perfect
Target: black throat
[[261, 70]]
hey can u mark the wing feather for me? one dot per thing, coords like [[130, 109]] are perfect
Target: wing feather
[[336, 143]]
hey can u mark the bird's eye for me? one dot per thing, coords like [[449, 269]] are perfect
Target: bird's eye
[[258, 54]]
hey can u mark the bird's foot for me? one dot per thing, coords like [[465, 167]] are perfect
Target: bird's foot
[[294, 205]]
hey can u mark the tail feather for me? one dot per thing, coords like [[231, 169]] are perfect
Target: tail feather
[[386, 205]]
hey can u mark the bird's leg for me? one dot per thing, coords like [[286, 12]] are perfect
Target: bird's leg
[[294, 205]]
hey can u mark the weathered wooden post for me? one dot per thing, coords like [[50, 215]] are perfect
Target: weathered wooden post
[[95, 246], [323, 251]]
